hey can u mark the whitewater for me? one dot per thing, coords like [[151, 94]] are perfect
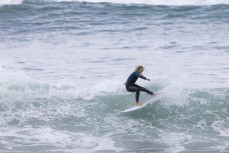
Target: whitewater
[[63, 65]]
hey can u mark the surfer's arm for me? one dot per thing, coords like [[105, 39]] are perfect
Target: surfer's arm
[[141, 76]]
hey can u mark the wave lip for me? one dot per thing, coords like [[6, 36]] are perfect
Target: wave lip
[[11, 2]]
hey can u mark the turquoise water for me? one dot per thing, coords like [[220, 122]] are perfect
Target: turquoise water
[[63, 65]]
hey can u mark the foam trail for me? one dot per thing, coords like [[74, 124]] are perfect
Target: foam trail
[[11, 2], [157, 2]]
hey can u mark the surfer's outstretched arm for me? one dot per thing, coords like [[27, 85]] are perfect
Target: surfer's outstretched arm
[[141, 76]]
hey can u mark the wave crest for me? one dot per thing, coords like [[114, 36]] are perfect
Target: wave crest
[[11, 2], [156, 2]]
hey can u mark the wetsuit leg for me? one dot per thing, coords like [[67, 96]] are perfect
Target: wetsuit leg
[[144, 89], [136, 89]]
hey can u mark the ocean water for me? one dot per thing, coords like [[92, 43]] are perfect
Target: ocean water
[[63, 64]]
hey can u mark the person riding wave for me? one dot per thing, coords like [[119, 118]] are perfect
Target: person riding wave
[[132, 87]]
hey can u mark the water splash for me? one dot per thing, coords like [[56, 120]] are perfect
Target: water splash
[[11, 2]]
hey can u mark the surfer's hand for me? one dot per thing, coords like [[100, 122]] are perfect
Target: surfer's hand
[[148, 79]]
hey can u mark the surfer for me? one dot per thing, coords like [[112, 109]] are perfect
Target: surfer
[[132, 87]]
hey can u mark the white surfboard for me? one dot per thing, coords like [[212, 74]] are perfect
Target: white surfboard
[[139, 107]]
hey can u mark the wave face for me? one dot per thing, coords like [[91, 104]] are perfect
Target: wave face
[[63, 65], [64, 118]]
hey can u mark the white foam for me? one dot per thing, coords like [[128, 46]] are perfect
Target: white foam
[[201, 124], [62, 140], [173, 86], [157, 2], [219, 126], [11, 2], [18, 86], [175, 141]]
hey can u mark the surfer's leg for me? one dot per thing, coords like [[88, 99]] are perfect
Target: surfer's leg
[[138, 103], [145, 90], [135, 89], [137, 95]]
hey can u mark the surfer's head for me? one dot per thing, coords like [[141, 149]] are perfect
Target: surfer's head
[[139, 69]]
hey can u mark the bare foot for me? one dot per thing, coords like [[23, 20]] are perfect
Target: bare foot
[[138, 103]]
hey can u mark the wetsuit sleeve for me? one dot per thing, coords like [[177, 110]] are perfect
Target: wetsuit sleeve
[[140, 76]]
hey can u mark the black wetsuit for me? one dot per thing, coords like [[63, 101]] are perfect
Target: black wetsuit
[[132, 87]]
